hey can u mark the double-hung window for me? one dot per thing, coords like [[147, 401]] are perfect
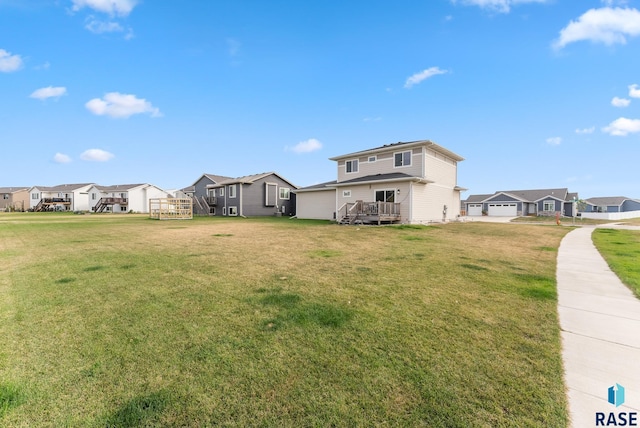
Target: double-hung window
[[284, 193], [548, 206], [232, 191], [351, 166]]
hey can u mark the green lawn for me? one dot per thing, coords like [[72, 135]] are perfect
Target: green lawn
[[118, 320], [621, 249]]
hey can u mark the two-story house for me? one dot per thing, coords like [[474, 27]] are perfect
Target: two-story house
[[124, 197], [64, 197], [406, 182], [14, 198], [263, 194]]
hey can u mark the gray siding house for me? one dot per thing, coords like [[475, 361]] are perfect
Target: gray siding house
[[613, 204], [199, 193], [265, 194], [514, 203]]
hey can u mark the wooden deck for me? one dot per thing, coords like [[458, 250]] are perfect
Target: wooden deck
[[361, 212]]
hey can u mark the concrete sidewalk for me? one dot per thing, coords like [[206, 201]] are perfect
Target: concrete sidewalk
[[600, 323]]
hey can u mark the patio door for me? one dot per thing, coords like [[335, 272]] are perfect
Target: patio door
[[385, 195]]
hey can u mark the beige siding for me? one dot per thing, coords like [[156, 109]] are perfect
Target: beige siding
[[428, 203], [440, 169], [319, 205], [384, 164]]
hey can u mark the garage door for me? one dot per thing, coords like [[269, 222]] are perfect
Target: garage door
[[503, 210], [475, 209]]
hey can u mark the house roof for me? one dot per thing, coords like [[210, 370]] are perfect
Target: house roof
[[609, 200], [392, 177], [318, 187], [12, 189], [63, 187], [213, 177], [537, 194], [402, 145], [248, 179], [477, 198], [117, 187]]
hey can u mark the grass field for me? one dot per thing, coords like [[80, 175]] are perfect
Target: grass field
[[621, 249], [118, 320]]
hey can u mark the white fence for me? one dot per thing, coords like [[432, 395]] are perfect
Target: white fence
[[611, 216]]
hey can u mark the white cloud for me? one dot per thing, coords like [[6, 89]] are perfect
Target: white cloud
[[117, 105], [606, 25], [310, 145], [61, 158], [372, 119], [96, 155], [554, 141], [423, 75], [502, 6], [634, 92], [620, 102], [586, 130], [8, 62], [49, 92], [622, 127], [99, 27], [111, 7]]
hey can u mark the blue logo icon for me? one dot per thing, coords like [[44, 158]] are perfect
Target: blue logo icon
[[616, 395]]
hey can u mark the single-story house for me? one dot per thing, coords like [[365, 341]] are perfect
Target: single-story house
[[405, 182], [514, 203], [610, 208]]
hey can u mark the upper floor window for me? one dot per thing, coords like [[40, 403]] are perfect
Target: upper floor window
[[232, 191], [5, 196], [402, 158], [222, 191], [352, 166], [35, 196], [372, 158], [284, 193]]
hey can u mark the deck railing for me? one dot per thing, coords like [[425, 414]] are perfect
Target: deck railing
[[377, 209]]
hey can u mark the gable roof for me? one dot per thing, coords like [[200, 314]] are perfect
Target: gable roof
[[213, 177], [63, 187], [118, 187], [537, 194], [249, 179], [609, 200], [477, 198], [401, 146], [12, 189]]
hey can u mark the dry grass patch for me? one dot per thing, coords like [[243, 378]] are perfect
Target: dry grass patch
[[125, 321]]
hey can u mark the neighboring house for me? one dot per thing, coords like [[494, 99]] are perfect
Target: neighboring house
[[124, 198], [199, 193], [514, 203], [263, 194], [64, 197], [14, 198], [407, 182], [611, 208]]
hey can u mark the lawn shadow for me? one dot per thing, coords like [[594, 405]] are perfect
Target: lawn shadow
[[143, 410]]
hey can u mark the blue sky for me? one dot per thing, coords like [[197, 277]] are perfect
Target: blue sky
[[532, 93]]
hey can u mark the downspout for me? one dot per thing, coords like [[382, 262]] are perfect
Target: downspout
[[240, 195]]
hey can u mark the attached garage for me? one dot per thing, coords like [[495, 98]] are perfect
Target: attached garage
[[503, 210], [474, 209]]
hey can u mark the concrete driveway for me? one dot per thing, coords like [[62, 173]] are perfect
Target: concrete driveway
[[486, 218]]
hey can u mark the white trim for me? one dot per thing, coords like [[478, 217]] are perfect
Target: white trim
[[403, 164], [371, 159], [233, 211], [232, 194], [346, 193]]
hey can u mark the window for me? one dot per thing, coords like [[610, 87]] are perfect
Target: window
[[224, 210], [232, 191], [222, 191], [233, 211], [346, 193], [385, 195], [271, 194], [351, 166], [549, 206], [123, 208], [284, 193], [5, 196], [35, 196], [402, 159], [372, 158], [93, 196]]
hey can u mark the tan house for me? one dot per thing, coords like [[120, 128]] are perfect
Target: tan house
[[407, 182], [14, 198]]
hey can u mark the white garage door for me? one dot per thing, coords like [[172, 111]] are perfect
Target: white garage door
[[475, 209], [503, 210]]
